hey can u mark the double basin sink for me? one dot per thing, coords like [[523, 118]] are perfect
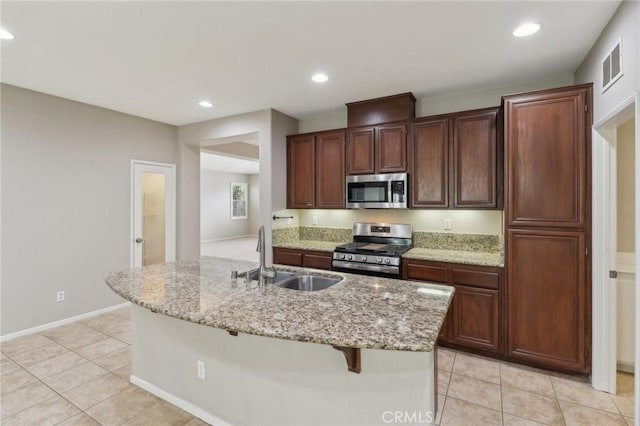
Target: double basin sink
[[293, 281]]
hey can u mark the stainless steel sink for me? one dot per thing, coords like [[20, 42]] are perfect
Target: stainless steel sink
[[308, 283], [253, 275]]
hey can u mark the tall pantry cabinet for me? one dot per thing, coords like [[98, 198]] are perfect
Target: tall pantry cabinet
[[547, 200]]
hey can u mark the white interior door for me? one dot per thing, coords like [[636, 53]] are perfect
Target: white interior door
[[153, 213]]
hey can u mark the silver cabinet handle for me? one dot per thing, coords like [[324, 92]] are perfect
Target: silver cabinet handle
[[138, 240]]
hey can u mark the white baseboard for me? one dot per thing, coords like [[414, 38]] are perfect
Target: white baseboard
[[625, 367], [179, 402], [229, 238], [58, 323]]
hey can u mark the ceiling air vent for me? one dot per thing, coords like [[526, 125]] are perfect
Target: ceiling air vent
[[612, 66]]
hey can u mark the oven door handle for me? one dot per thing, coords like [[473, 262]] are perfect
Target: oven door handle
[[366, 267]]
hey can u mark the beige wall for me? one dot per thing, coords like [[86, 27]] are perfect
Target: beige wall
[[254, 204], [65, 172], [215, 206], [426, 106], [625, 23], [625, 152]]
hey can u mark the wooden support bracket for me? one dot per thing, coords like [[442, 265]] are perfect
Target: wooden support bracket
[[352, 355]]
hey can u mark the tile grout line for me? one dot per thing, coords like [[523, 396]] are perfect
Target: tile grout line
[[40, 380]]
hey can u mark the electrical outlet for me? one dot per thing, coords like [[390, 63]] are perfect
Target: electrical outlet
[[314, 220], [60, 296], [289, 221], [447, 224], [201, 374]]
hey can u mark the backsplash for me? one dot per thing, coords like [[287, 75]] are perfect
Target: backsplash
[[466, 242], [315, 233], [433, 240]]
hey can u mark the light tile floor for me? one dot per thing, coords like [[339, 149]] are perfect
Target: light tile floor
[[243, 248], [77, 374]]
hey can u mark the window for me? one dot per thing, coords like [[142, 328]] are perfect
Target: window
[[238, 200]]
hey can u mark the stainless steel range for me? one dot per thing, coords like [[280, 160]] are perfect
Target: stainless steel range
[[376, 249]]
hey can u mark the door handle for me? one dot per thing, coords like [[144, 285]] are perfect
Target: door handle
[[138, 240]]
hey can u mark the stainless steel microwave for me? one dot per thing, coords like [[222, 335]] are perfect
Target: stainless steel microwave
[[381, 191]]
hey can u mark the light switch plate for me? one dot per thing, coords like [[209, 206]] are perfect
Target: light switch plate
[[314, 220]]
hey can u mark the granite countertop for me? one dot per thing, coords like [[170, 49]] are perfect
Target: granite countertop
[[359, 312], [308, 245], [456, 256]]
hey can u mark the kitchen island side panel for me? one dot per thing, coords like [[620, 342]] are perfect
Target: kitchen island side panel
[[260, 380]]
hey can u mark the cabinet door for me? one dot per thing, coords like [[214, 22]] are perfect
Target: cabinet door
[[547, 298], [330, 173], [546, 167], [430, 174], [424, 271], [301, 172], [287, 256], [476, 318], [360, 151], [475, 160], [391, 148], [318, 260]]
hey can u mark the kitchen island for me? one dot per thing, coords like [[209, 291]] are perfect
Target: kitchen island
[[268, 353]]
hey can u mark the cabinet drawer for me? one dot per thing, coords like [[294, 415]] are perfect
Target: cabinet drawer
[[422, 272], [317, 260], [287, 257], [485, 279]]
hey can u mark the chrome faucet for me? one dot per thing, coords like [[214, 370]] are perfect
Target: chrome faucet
[[266, 273]]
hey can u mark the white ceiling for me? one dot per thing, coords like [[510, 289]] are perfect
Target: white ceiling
[[158, 59], [222, 163]]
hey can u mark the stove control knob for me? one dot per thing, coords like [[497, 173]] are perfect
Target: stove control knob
[[379, 259], [364, 258], [350, 257], [387, 261], [342, 256]]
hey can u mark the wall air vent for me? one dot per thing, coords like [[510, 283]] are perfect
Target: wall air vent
[[612, 66]]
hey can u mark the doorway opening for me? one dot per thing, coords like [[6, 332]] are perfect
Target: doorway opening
[[230, 198], [615, 237], [153, 213]]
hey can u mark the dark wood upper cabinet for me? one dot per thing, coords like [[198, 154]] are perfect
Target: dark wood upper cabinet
[[316, 170], [547, 298], [379, 149], [430, 175], [301, 172], [391, 148], [330, 168], [475, 155], [361, 151], [546, 157]]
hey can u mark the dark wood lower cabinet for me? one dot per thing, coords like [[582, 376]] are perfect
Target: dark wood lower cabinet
[[475, 316], [547, 298], [306, 258]]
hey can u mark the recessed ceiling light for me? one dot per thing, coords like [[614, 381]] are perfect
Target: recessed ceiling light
[[526, 29], [5, 35], [320, 77], [205, 104]]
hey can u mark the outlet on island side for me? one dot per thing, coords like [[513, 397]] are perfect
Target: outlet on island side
[[447, 224], [201, 373], [60, 296]]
